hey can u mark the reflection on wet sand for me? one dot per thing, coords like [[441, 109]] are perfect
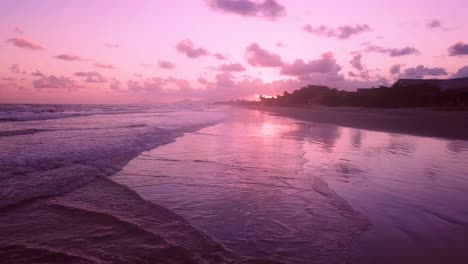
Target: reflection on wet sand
[[412, 191], [298, 192], [242, 182]]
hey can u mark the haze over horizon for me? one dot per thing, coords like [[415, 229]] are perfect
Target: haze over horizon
[[161, 51]]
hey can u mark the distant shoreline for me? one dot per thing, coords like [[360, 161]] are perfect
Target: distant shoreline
[[427, 122]]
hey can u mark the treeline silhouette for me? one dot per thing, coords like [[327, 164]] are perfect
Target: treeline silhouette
[[397, 95]]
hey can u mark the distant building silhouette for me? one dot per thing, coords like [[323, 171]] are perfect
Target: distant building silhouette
[[442, 84]]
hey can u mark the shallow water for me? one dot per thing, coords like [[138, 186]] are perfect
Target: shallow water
[[56, 204], [43, 155], [298, 192]]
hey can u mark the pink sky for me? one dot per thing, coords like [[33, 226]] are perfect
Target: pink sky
[[162, 51]]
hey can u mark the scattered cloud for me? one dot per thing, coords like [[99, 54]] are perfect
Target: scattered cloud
[[325, 64], [461, 73], [154, 86], [148, 86], [166, 64], [15, 68], [67, 57], [395, 69], [356, 62], [434, 23], [233, 67], [186, 47], [111, 45], [270, 9], [91, 77], [224, 80], [458, 49], [219, 56], [37, 73], [258, 57], [420, 71], [55, 82], [103, 66], [392, 52], [115, 85], [24, 44], [342, 32]]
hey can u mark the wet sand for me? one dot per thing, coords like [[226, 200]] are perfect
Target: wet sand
[[419, 122], [104, 222]]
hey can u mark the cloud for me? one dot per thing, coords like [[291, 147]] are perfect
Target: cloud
[[342, 32], [326, 63], [37, 73], [392, 52], [103, 66], [24, 44], [55, 82], [280, 44], [8, 79], [461, 73], [15, 68], [91, 77], [420, 71], [166, 64], [434, 23], [227, 87], [152, 85], [258, 57], [458, 49], [356, 62], [202, 80], [219, 56], [267, 8], [224, 80], [186, 47], [67, 57], [233, 67], [111, 45], [395, 69], [115, 85]]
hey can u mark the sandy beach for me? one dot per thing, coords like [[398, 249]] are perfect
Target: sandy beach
[[419, 122]]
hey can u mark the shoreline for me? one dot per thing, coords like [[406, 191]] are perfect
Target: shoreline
[[413, 121]]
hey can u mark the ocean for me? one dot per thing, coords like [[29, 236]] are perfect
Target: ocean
[[204, 183]]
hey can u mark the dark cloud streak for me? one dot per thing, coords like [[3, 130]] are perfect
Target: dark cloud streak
[[67, 57], [24, 44], [267, 8], [342, 32]]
